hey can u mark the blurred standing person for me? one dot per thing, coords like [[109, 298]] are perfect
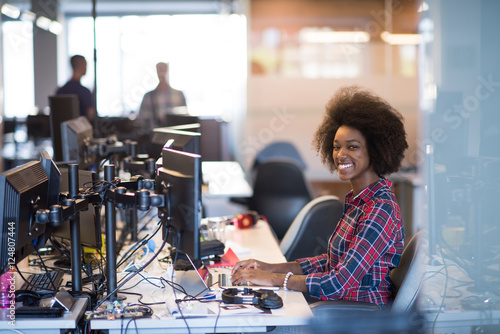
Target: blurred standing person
[[74, 86], [161, 101]]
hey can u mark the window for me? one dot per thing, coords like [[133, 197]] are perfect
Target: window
[[19, 93], [207, 56]]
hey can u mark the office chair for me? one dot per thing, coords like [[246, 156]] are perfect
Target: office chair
[[280, 191], [278, 149], [407, 278], [274, 151], [312, 227]]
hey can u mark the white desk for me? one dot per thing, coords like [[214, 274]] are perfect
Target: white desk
[[256, 242], [225, 179], [65, 323]]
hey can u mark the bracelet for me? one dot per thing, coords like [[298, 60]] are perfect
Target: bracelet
[[286, 280]]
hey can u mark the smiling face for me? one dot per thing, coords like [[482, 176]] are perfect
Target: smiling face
[[350, 154]]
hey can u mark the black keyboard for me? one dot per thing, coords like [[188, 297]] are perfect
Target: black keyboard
[[95, 278], [44, 283], [38, 312]]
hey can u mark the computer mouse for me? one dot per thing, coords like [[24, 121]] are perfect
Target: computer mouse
[[28, 298]]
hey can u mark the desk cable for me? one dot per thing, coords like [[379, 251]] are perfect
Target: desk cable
[[163, 283], [128, 323], [188, 297], [130, 251], [444, 295], [134, 273], [172, 279]]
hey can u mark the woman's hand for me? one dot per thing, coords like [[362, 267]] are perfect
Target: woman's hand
[[250, 272], [251, 263]]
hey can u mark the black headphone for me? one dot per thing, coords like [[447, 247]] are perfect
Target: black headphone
[[263, 298]]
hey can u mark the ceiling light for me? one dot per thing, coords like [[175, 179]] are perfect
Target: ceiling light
[[28, 16], [11, 11], [400, 39], [327, 36], [43, 22], [55, 27], [423, 7]]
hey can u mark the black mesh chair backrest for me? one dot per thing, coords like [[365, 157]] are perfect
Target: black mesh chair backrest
[[280, 191], [279, 150]]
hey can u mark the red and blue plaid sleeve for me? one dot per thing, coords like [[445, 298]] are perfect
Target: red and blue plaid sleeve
[[314, 264]]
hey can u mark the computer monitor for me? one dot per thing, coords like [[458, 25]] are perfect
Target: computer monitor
[[54, 184], [23, 191], [90, 222], [193, 127], [54, 177], [38, 126], [179, 178], [180, 140], [77, 137], [121, 127], [214, 146], [62, 108], [174, 120]]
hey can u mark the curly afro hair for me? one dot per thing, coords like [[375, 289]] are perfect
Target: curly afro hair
[[381, 125]]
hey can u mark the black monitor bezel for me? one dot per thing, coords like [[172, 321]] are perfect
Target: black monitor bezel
[[180, 179], [77, 135]]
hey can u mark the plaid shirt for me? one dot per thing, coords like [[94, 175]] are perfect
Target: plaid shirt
[[366, 244], [157, 104]]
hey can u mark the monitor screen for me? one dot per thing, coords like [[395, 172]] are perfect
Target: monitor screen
[[77, 136], [23, 191], [90, 222], [62, 108], [179, 178]]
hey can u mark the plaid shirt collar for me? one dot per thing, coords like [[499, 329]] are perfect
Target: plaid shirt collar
[[368, 193]]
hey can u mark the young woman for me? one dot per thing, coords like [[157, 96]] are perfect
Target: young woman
[[363, 138]]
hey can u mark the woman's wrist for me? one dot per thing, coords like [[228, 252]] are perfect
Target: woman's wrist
[[278, 279], [283, 268], [296, 268]]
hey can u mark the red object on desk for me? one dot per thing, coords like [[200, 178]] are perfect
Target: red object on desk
[[229, 259]]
